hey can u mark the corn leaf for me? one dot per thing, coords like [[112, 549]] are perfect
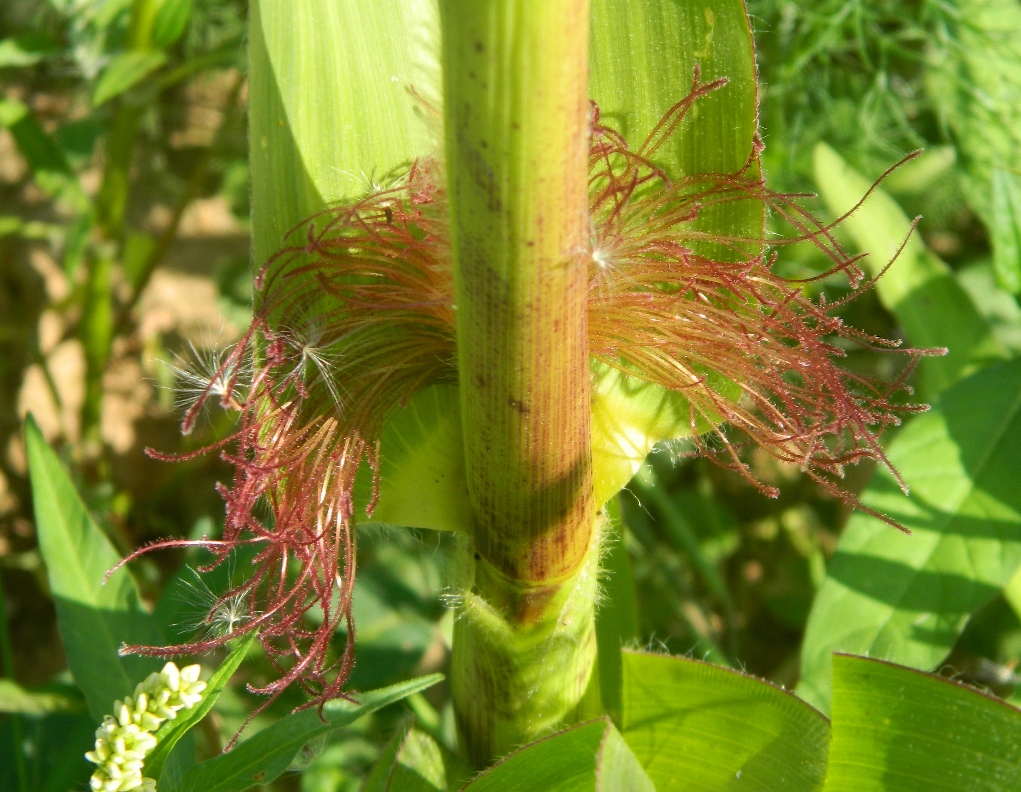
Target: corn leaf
[[897, 730], [588, 758], [695, 726], [330, 105]]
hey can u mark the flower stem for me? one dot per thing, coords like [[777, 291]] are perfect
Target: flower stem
[[516, 116]]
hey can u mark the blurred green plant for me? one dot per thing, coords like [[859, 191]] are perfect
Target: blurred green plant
[[118, 58]]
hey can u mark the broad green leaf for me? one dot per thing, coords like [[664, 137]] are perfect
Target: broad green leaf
[[173, 730], [1006, 229], [696, 726], [629, 416], [616, 612], [26, 50], [171, 19], [906, 598], [919, 289], [588, 758], [898, 730], [264, 756], [412, 762], [41, 700], [124, 72], [94, 619]]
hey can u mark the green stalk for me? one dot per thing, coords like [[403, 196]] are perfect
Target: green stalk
[[516, 115], [97, 312]]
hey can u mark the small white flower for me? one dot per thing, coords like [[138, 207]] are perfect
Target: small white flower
[[124, 739]]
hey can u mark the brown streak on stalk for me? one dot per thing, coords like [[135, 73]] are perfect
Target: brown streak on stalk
[[517, 152]]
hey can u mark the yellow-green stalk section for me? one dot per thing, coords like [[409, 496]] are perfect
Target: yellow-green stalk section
[[516, 113]]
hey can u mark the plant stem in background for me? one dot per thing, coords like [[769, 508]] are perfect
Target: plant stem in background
[[516, 107], [191, 191], [97, 313]]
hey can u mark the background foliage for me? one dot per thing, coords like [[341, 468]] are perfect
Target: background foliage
[[705, 566]]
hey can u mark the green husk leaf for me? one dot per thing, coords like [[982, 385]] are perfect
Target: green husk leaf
[[422, 481]]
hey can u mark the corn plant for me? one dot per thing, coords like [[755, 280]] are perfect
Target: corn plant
[[503, 248]]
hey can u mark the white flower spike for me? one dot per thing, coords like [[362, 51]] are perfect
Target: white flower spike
[[126, 737]]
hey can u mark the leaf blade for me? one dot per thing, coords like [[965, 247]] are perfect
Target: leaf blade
[[906, 598], [124, 72], [579, 759], [898, 730], [696, 726], [267, 754], [94, 620]]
